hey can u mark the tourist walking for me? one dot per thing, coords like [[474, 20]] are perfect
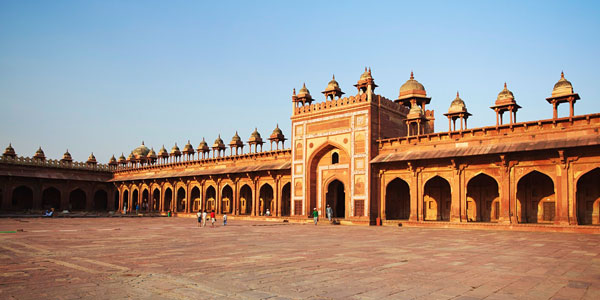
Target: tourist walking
[[199, 215], [137, 209], [329, 212], [212, 218], [315, 215], [204, 218], [224, 219]]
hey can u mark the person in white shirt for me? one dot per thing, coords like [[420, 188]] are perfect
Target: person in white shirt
[[204, 218]]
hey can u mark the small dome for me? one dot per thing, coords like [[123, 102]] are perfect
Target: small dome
[[505, 97], [277, 134], [151, 154], [122, 159], [131, 157], [163, 152], [10, 151], [39, 154], [203, 146], [236, 137], [140, 151], [112, 161], [411, 87], [218, 140], [277, 131], [188, 149], [563, 87], [457, 105], [91, 159], [366, 75], [175, 151], [303, 91], [303, 95], [255, 137], [67, 156]]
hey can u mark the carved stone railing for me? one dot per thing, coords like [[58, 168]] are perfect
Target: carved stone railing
[[55, 163]]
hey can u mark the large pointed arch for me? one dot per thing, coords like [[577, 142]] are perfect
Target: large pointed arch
[[245, 200], [535, 198], [397, 200], [323, 156], [265, 199], [437, 199], [588, 198], [226, 199], [483, 202]]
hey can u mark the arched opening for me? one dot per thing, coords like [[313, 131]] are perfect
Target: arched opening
[[265, 199], [100, 200], [245, 200], [335, 158], [437, 199], [168, 199], [145, 200], [181, 199], [22, 198], [211, 195], [116, 200], [483, 203], [535, 199], [226, 199], [195, 199], [135, 198], [125, 200], [397, 200], [588, 198], [51, 198], [286, 199], [77, 200], [321, 163], [336, 199], [155, 199]]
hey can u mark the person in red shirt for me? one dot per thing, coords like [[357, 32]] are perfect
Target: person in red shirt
[[212, 218]]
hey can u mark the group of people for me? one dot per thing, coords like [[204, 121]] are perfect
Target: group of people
[[329, 212], [202, 218]]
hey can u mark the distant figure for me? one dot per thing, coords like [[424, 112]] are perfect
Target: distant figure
[[199, 215], [204, 218], [124, 209], [315, 215], [49, 213], [212, 218], [137, 209], [268, 213], [224, 219], [329, 212], [169, 213]]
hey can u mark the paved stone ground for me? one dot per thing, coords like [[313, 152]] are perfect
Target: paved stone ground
[[170, 258]]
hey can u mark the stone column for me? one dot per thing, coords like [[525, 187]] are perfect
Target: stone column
[[561, 198], [382, 194], [416, 209], [255, 195], [277, 195], [37, 195]]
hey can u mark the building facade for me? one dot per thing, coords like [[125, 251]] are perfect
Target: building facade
[[370, 158]]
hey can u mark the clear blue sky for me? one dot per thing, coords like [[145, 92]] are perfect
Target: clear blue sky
[[102, 76]]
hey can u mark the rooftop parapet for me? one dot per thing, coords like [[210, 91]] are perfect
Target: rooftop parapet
[[55, 163]]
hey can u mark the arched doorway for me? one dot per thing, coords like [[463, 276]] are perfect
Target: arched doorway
[[245, 200], [588, 198], [145, 200], [483, 203], [135, 198], [328, 161], [226, 199], [155, 199], [77, 200], [51, 198], [286, 198], [195, 199], [437, 200], [397, 200], [125, 200], [100, 200], [211, 195], [535, 199], [336, 199], [22, 198], [168, 199], [181, 199], [116, 201], [265, 200]]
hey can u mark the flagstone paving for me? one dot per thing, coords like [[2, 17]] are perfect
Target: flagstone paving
[[171, 258]]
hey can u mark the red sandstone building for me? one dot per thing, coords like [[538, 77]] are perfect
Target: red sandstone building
[[370, 158]]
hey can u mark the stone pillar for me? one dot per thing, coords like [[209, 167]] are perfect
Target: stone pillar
[[236, 195], [37, 195], [218, 199], [255, 195], [277, 196], [382, 195], [64, 198], [561, 197], [6, 199], [455, 194], [463, 196], [89, 198], [188, 192], [415, 207]]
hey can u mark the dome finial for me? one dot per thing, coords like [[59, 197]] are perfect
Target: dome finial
[[412, 75], [562, 74], [304, 84], [294, 91], [369, 70], [142, 142], [333, 77], [365, 68], [457, 94], [505, 85]]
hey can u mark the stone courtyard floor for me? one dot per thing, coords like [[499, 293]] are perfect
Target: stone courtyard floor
[[170, 258]]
